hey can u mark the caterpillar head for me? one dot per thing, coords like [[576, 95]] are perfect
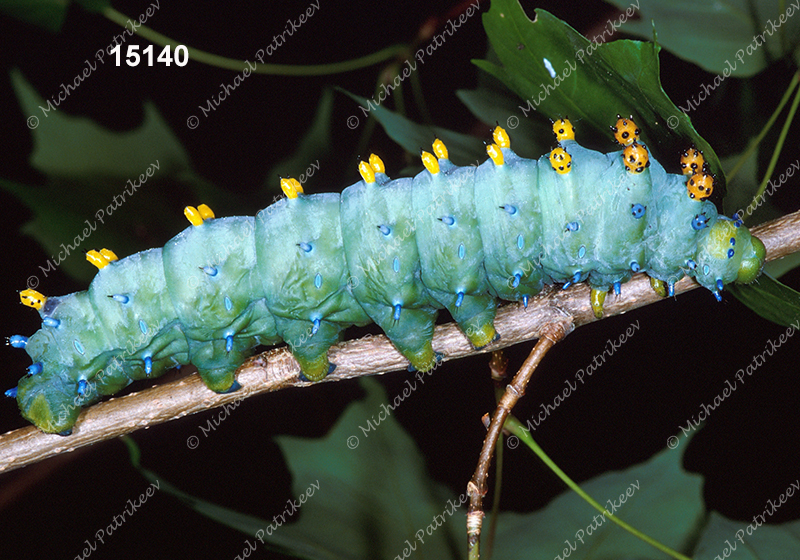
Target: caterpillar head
[[727, 253]]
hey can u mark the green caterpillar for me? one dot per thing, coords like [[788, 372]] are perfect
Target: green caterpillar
[[393, 252]]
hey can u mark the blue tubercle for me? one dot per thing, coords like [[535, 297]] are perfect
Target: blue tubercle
[[35, 369], [699, 222], [670, 289], [397, 309], [731, 252], [121, 298], [315, 327], [11, 393], [82, 386], [305, 247], [720, 285], [50, 322], [525, 302], [635, 266], [637, 210], [574, 280], [691, 264], [716, 295], [18, 341], [617, 287], [385, 230], [515, 281], [229, 343], [459, 299], [148, 365], [573, 226], [510, 209], [448, 220], [210, 270]]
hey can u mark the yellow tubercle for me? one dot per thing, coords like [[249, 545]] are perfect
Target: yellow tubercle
[[500, 137], [97, 259], [563, 130], [494, 152], [439, 149], [561, 161], [193, 215], [700, 185], [205, 212], [291, 187], [430, 162], [109, 255], [32, 298], [377, 164], [367, 172]]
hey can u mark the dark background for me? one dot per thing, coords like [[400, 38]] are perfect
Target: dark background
[[684, 351]]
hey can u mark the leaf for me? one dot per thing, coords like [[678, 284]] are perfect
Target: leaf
[[49, 14], [769, 298], [76, 147], [370, 495], [93, 196], [529, 137], [764, 542], [684, 28], [315, 145], [660, 499], [592, 82], [462, 149]]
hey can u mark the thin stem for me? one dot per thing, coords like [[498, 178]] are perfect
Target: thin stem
[[498, 365], [515, 427], [757, 140], [476, 489], [271, 69], [778, 146]]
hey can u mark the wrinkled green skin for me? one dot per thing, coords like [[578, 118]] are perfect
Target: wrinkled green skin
[[268, 288]]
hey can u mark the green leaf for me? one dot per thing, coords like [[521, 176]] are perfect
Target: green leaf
[[660, 499], [529, 137], [49, 14], [762, 542], [76, 147], [314, 145], [463, 149], [683, 28], [371, 495], [592, 84], [98, 192], [769, 298]]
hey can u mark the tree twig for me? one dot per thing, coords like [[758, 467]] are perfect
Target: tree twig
[[476, 489], [276, 369]]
